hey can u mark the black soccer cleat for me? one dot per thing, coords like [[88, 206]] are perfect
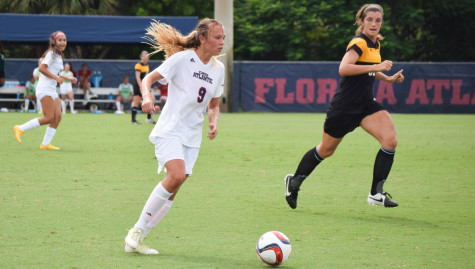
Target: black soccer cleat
[[292, 187], [381, 199]]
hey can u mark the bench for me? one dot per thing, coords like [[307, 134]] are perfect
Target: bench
[[105, 100]]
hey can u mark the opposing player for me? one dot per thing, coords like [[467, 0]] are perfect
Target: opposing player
[[46, 93], [195, 81], [141, 69], [66, 89], [353, 105]]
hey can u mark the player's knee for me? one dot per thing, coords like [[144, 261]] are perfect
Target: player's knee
[[58, 118], [48, 119], [390, 143], [178, 178]]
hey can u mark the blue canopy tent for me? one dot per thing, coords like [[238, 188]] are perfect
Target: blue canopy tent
[[87, 29]]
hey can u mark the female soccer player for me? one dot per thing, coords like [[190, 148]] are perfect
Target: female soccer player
[[66, 89], [354, 105], [141, 69], [195, 81], [46, 93]]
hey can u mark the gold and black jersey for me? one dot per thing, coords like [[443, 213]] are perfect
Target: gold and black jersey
[[143, 69], [356, 92]]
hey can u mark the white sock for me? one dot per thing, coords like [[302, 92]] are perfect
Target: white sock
[[71, 105], [158, 217], [155, 202], [32, 124], [27, 104], [117, 104], [63, 106], [50, 132]]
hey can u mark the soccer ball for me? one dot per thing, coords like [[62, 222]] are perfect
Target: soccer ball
[[273, 248]]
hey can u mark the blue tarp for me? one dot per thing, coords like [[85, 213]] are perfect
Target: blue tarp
[[90, 29]]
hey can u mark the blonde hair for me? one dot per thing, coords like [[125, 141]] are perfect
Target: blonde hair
[[361, 15], [163, 37]]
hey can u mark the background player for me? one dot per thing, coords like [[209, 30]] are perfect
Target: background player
[[141, 69], [353, 105], [66, 89], [46, 93]]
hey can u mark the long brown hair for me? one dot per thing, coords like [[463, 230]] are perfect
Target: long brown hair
[[361, 15], [52, 45], [163, 37]]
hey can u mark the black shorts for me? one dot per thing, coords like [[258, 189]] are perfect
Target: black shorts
[[338, 124], [137, 90]]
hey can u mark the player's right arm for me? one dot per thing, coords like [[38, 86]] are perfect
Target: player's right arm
[[44, 70], [148, 80], [348, 66]]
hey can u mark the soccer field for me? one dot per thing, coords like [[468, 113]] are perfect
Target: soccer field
[[72, 208]]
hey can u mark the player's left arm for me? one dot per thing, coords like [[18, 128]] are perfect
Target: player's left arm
[[70, 79], [398, 77], [147, 96], [213, 114]]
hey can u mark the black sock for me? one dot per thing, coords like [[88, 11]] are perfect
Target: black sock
[[308, 163], [382, 166], [134, 112], [149, 116]]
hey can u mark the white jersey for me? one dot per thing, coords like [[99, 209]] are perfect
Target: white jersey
[[66, 86], [191, 86], [55, 65]]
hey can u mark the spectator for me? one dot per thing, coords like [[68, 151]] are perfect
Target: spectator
[[125, 94], [85, 82], [163, 94], [30, 92]]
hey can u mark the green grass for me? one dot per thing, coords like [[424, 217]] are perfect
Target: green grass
[[72, 208]]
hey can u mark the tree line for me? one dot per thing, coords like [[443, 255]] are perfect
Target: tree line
[[285, 30]]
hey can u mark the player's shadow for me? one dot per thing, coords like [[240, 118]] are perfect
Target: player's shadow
[[215, 261], [393, 220]]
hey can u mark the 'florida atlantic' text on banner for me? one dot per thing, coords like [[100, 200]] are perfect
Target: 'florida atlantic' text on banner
[[309, 87]]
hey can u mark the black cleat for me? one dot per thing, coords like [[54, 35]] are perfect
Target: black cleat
[[292, 187], [381, 199]]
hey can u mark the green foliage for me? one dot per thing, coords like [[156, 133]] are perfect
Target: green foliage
[[72, 208], [74, 7], [289, 30], [317, 30]]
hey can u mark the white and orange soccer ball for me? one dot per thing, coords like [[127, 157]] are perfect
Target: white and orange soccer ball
[[273, 248]]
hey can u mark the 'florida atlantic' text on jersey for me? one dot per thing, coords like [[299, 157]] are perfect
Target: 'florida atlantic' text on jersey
[[191, 86]]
